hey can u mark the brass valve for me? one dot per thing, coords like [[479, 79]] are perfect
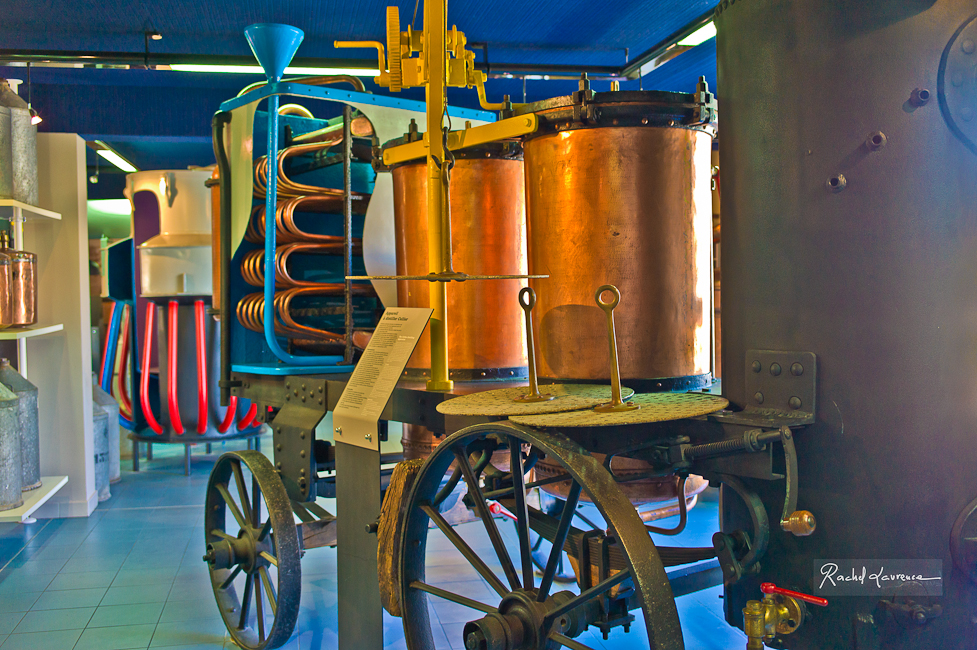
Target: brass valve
[[780, 612]]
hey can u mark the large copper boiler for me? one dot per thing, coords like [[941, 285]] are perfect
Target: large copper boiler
[[618, 192], [488, 223]]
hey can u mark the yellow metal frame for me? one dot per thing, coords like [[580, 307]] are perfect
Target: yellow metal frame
[[443, 61]]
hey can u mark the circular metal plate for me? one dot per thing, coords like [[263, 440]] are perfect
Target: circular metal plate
[[655, 407], [569, 397], [957, 84]]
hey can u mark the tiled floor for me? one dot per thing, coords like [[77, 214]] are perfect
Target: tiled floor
[[131, 577]]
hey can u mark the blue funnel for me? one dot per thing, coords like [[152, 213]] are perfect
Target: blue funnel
[[274, 46]]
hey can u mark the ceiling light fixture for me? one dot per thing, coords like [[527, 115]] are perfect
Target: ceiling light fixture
[[699, 36], [156, 36], [111, 155], [35, 118], [254, 69]]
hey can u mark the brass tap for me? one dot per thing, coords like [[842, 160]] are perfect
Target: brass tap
[[780, 612]]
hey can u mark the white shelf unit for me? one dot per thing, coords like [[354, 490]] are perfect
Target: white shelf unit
[[34, 499], [58, 348], [10, 208], [29, 332]]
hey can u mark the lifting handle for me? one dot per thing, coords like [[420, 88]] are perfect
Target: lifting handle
[[771, 588], [527, 300], [616, 403]]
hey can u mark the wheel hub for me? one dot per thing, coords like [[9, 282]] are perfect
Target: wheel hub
[[519, 623]]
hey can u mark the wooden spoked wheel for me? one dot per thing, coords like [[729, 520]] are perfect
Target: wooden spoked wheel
[[517, 611], [252, 550]]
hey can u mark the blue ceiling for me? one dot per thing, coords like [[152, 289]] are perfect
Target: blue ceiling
[[529, 31], [161, 119]]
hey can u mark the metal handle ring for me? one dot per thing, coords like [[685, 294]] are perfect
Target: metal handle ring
[[530, 301], [607, 306]]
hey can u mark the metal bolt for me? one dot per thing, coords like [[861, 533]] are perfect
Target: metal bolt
[[287, 385], [339, 430], [756, 366], [368, 437], [303, 398], [836, 183], [278, 447], [320, 401], [302, 454], [303, 386], [278, 430], [796, 369], [278, 466], [876, 141], [302, 471], [296, 393], [920, 97], [644, 120], [968, 46], [302, 435], [794, 402], [288, 397], [775, 369], [758, 397]]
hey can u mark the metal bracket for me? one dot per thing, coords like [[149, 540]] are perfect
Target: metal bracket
[[781, 389], [293, 435]]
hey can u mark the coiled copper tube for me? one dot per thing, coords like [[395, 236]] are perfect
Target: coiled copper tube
[[253, 271], [285, 226], [251, 308]]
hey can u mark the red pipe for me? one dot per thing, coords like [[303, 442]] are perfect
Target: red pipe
[[147, 348], [248, 418], [171, 382], [229, 416], [124, 364], [105, 347], [202, 417]]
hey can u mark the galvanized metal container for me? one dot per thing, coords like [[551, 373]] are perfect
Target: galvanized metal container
[[486, 336], [11, 474], [107, 403], [6, 155], [618, 192], [23, 147], [30, 442], [100, 428]]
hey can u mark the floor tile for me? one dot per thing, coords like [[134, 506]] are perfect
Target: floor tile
[[88, 580], [8, 621], [59, 640], [12, 582], [123, 637], [133, 577], [188, 610], [136, 594], [18, 602], [55, 619], [69, 598], [94, 563], [112, 615], [184, 632]]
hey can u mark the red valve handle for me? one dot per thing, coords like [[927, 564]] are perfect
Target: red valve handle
[[496, 509], [771, 588]]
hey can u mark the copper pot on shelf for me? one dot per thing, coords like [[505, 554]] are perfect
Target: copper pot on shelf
[[20, 285], [6, 304]]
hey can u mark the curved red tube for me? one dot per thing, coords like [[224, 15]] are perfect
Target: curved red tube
[[202, 418], [229, 416], [248, 418], [171, 380], [105, 348], [126, 402], [147, 348]]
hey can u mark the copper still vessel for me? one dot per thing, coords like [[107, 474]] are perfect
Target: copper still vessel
[[618, 192], [21, 285], [6, 303], [488, 235]]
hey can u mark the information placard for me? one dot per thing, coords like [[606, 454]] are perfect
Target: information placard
[[376, 374]]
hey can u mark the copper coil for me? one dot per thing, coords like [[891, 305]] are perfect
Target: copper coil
[[334, 132], [253, 263], [288, 188], [285, 226], [250, 311]]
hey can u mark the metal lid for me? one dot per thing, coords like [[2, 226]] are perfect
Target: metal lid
[[20, 256], [586, 109]]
